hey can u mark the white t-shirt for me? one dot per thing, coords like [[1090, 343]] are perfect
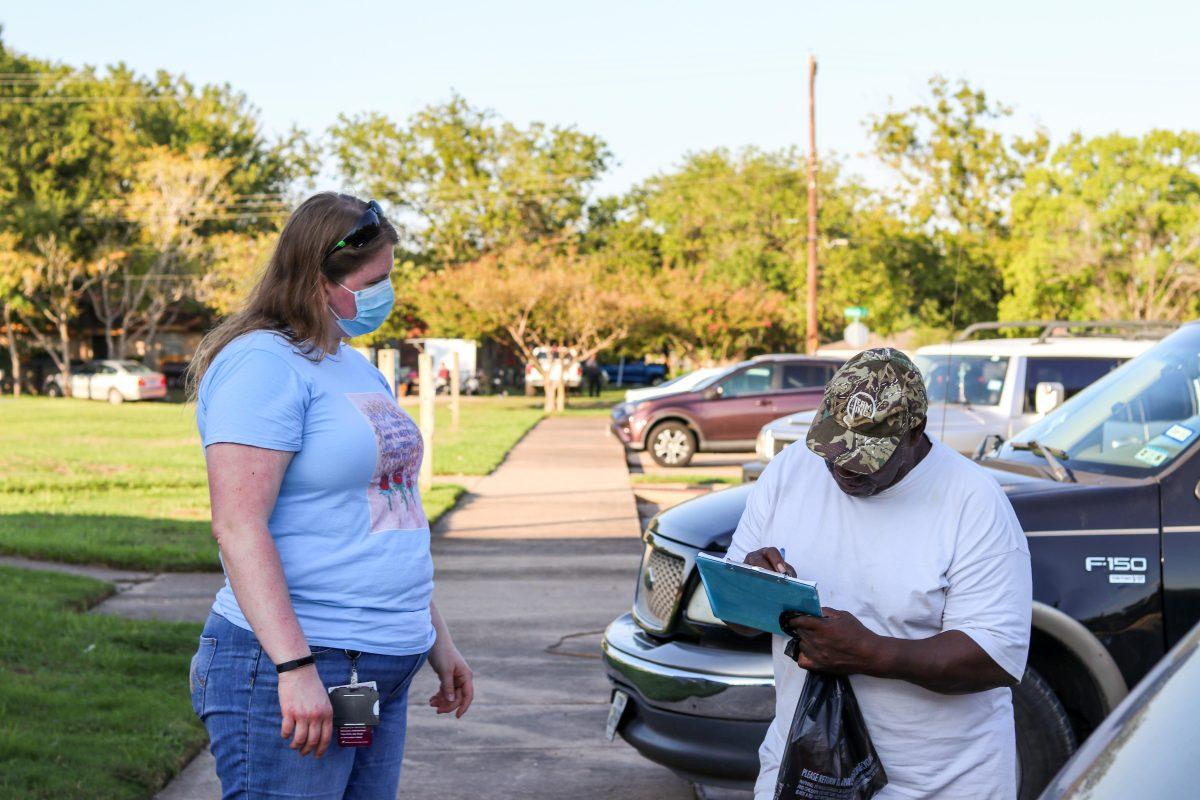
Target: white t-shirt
[[941, 550]]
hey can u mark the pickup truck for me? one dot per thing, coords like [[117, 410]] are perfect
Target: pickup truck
[[1107, 489]]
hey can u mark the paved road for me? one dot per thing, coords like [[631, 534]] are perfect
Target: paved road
[[702, 465], [531, 567]]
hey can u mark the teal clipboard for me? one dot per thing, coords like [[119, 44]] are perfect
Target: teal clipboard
[[752, 596]]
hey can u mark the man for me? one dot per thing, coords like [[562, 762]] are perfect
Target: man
[[593, 373], [925, 571]]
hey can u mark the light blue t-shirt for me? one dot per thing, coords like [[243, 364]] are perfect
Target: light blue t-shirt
[[348, 522]]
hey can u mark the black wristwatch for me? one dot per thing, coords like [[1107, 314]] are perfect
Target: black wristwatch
[[288, 666]]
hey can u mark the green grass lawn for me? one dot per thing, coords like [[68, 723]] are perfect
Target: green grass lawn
[[90, 706], [86, 482]]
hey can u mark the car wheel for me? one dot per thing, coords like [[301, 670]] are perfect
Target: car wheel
[[672, 445], [1045, 738], [53, 390], [115, 397], [530, 390]]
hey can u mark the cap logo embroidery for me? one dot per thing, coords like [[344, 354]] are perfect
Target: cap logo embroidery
[[860, 406]]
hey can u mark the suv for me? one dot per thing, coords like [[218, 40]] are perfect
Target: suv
[[1107, 488], [726, 412], [991, 388]]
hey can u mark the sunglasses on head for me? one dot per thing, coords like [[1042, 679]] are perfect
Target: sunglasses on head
[[366, 229]]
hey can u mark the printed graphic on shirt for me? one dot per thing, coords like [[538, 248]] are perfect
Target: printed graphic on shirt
[[393, 496]]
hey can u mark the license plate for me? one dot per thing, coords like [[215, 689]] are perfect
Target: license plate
[[615, 712]]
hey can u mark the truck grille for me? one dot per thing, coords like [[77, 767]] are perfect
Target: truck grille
[[660, 586]]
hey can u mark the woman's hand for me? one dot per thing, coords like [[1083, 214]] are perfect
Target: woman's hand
[[304, 702], [458, 684]]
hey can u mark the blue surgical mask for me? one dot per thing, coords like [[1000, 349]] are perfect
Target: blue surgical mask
[[371, 307]]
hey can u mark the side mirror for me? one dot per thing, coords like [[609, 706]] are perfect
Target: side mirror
[[1048, 396], [713, 392]]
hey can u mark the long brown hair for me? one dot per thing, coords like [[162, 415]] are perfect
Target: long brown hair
[[289, 297]]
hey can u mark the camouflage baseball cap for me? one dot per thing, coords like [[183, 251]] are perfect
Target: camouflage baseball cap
[[869, 404]]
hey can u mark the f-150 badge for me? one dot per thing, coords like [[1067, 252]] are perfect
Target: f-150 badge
[[1121, 569]]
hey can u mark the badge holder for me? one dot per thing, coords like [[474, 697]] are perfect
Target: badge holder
[[355, 708]]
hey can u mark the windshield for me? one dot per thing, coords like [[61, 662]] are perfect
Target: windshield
[[963, 380], [1135, 420]]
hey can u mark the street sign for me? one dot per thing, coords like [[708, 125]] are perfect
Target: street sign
[[856, 334], [856, 312]]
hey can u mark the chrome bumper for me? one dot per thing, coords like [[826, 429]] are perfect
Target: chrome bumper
[[689, 679]]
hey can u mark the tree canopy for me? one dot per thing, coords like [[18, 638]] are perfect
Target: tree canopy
[[131, 199]]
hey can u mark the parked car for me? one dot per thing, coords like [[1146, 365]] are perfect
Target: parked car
[[634, 373], [727, 413], [175, 372], [684, 383], [1107, 489], [1146, 747], [988, 388], [110, 379], [535, 381]]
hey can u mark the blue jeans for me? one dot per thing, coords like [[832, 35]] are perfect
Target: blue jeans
[[235, 691]]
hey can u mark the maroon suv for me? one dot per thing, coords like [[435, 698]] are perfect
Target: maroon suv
[[726, 413]]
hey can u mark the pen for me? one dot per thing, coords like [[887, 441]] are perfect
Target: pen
[[783, 555]]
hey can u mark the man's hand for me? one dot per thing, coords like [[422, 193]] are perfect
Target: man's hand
[[766, 558], [307, 714], [770, 558], [949, 662], [836, 643]]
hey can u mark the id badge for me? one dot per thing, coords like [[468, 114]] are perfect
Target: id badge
[[355, 712]]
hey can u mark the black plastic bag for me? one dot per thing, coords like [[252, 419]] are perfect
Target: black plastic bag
[[828, 754]]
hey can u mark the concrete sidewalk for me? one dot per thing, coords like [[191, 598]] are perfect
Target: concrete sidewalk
[[565, 480]]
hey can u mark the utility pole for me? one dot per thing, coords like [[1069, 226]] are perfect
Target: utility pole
[[811, 308]]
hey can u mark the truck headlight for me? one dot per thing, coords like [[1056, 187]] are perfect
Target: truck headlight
[[764, 445], [698, 608]]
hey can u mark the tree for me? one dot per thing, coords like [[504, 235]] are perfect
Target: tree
[[736, 221], [76, 148], [1109, 229], [235, 262], [171, 198], [11, 302], [53, 282], [711, 321], [957, 174], [737, 218], [543, 295], [468, 182]]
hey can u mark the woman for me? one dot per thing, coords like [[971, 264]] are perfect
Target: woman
[[312, 473]]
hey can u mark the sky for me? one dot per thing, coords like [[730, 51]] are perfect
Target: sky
[[656, 80]]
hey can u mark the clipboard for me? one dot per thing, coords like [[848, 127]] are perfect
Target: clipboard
[[753, 596]]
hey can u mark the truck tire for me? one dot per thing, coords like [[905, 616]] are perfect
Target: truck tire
[[1045, 738], [671, 444]]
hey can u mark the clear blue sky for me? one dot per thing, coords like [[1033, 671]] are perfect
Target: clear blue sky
[[655, 79]]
